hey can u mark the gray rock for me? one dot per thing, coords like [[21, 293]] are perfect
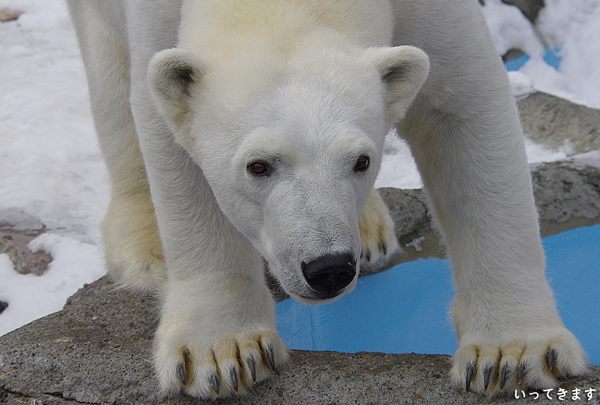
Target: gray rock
[[16, 219], [15, 245], [414, 228], [97, 351], [529, 8], [512, 53], [17, 229], [551, 120], [567, 196]]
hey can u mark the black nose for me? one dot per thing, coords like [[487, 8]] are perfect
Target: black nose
[[329, 274]]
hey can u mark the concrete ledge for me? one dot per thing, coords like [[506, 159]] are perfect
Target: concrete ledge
[[97, 351]]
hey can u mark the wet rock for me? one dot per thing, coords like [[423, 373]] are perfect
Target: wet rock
[[14, 219], [25, 261]]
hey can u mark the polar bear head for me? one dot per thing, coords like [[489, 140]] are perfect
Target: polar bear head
[[291, 147]]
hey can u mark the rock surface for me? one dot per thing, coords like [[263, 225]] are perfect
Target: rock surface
[[529, 8], [551, 120], [17, 229], [9, 15], [97, 351], [567, 196]]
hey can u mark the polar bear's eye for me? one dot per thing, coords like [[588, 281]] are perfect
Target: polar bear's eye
[[362, 164], [259, 168]]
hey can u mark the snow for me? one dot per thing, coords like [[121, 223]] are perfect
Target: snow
[[572, 26], [51, 167], [50, 164], [510, 29]]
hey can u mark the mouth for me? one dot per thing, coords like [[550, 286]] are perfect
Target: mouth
[[323, 279], [311, 297], [303, 292]]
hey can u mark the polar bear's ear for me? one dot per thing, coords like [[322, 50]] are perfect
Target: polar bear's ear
[[403, 71], [172, 74]]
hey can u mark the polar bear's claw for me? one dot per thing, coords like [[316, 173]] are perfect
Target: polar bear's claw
[[504, 375], [522, 373], [552, 357], [213, 381], [270, 355], [252, 368], [234, 379], [180, 371], [469, 376], [490, 367], [487, 373], [229, 366], [383, 247]]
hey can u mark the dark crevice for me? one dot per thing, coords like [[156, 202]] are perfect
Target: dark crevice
[[8, 396]]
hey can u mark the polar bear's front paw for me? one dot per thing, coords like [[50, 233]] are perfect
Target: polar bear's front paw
[[378, 239], [229, 365], [490, 366]]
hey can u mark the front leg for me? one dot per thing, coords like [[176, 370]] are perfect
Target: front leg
[[216, 335], [510, 334], [217, 331], [465, 135]]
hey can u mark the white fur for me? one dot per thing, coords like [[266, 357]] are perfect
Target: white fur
[[208, 87]]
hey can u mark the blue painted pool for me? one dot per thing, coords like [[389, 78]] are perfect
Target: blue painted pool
[[406, 308], [551, 57]]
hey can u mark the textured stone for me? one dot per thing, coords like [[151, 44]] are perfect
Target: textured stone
[[550, 120], [567, 196], [97, 351], [529, 8], [17, 229], [9, 15]]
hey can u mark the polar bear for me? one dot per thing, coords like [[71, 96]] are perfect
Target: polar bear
[[239, 132]]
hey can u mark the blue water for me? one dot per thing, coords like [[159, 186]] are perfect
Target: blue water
[[551, 57], [406, 308]]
